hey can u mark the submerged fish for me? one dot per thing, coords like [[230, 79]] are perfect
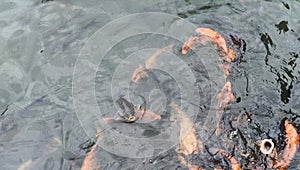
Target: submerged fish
[[224, 97], [291, 148], [229, 55], [140, 73], [189, 144], [214, 37], [203, 36], [130, 114], [90, 161], [189, 44], [234, 163]]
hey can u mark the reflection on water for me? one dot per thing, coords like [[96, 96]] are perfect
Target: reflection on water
[[40, 41]]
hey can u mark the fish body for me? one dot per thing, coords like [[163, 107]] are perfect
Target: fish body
[[188, 138], [189, 44], [90, 160], [234, 163], [140, 72], [232, 56], [150, 62], [224, 97], [211, 35], [189, 144], [291, 148], [140, 116]]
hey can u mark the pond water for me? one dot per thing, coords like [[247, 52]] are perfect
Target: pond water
[[63, 63]]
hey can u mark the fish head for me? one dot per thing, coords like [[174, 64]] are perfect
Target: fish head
[[189, 45], [127, 110], [139, 74]]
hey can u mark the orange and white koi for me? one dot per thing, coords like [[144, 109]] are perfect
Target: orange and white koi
[[90, 160], [139, 73], [189, 44], [212, 36], [291, 148], [224, 97], [208, 35], [189, 144], [146, 116], [234, 163], [150, 62]]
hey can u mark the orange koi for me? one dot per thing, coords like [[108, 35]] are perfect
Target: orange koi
[[189, 165], [224, 97], [208, 35], [234, 163], [205, 35], [90, 161], [146, 116], [291, 148], [214, 37], [188, 142], [139, 73], [150, 62], [189, 45]]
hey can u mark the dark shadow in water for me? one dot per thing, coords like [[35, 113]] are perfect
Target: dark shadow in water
[[287, 78], [210, 6], [266, 39], [44, 1], [286, 5], [282, 26]]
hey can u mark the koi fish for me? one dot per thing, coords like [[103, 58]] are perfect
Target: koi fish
[[90, 161], [189, 45], [147, 116], [130, 113], [139, 73], [214, 37], [234, 163], [224, 97], [208, 35], [291, 148], [188, 142], [141, 116], [150, 62], [189, 165]]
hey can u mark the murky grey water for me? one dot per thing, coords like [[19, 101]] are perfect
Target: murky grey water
[[40, 43]]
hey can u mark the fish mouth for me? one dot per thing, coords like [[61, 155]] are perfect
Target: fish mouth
[[267, 146]]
